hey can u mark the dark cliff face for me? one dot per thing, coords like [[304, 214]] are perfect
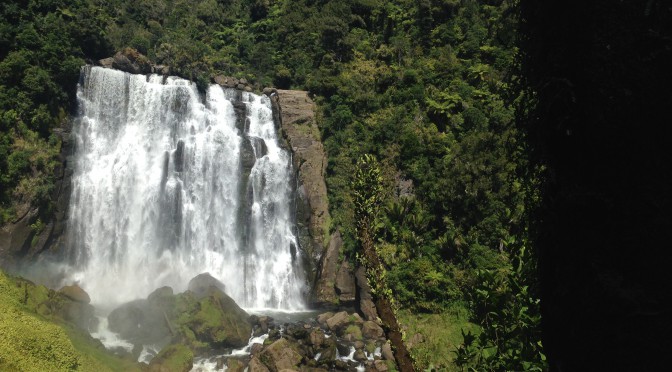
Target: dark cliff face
[[41, 230], [601, 125]]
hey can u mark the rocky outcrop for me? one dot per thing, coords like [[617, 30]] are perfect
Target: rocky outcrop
[[174, 358], [234, 83], [325, 290], [365, 303], [345, 284], [204, 319], [296, 113], [130, 60]]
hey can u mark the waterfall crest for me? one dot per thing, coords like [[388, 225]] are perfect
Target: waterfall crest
[[168, 185]]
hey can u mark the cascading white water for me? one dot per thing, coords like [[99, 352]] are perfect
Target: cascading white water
[[167, 186]]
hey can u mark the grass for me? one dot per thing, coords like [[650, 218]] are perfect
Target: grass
[[442, 335], [29, 342]]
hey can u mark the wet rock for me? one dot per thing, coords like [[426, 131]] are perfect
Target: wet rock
[[75, 293], [366, 305], [219, 321], [359, 345], [235, 365], [280, 355], [316, 337], [265, 322], [341, 365], [140, 323], [247, 155], [299, 128], [204, 284], [345, 284], [259, 146], [338, 321], [371, 330], [256, 348], [269, 91], [325, 290], [296, 331], [178, 157], [213, 320], [359, 355], [380, 365], [273, 335], [343, 349], [256, 365], [173, 358], [386, 351], [322, 318], [240, 86], [329, 350]]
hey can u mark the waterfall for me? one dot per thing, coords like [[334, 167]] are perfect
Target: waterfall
[[168, 184]]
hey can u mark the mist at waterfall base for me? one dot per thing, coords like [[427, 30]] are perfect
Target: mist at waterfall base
[[169, 184]]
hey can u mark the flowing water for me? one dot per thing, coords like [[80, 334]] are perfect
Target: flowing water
[[169, 184]]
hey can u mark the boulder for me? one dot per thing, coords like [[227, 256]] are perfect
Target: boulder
[[345, 284], [269, 91], [329, 350], [372, 331], [366, 305], [256, 365], [281, 355], [204, 284], [219, 321], [359, 356], [212, 320], [75, 293], [235, 365], [386, 351], [338, 321], [140, 323], [173, 358], [380, 365], [106, 62], [316, 338], [322, 318], [132, 61], [256, 348]]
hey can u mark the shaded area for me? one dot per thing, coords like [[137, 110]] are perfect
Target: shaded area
[[601, 125]]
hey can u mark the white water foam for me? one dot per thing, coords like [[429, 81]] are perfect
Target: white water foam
[[166, 186]]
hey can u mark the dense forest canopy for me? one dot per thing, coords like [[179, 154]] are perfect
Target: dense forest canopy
[[429, 88]]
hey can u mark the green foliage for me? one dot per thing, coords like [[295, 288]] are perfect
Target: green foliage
[[44, 44], [29, 342], [442, 333], [426, 89]]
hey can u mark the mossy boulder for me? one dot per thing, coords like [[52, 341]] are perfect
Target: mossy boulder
[[203, 320], [173, 358], [280, 355], [204, 284], [146, 321], [217, 320]]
